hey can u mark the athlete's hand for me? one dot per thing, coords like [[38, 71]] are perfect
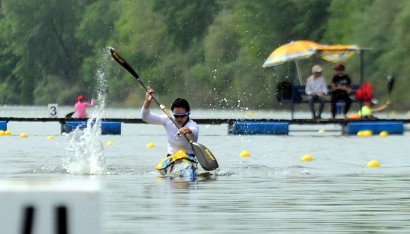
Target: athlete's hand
[[184, 131], [148, 95]]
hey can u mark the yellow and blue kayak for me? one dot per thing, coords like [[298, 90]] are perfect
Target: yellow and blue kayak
[[179, 165]]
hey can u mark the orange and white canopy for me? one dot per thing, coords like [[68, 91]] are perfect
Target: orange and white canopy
[[302, 49]]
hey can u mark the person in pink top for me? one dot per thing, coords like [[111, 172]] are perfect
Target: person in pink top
[[81, 107]]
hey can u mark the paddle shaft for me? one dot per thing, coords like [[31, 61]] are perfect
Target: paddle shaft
[[390, 84], [131, 70]]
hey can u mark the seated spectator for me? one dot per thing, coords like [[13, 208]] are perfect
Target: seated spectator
[[341, 89], [316, 88]]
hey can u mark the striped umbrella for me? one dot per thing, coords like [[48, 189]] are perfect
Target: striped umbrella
[[292, 51], [337, 53]]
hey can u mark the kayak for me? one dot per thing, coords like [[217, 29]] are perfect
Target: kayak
[[179, 165], [354, 117]]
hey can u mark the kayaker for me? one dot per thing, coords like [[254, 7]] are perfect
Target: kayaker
[[369, 108], [81, 107], [180, 111]]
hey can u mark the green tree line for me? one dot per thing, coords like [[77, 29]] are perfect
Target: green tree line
[[209, 51]]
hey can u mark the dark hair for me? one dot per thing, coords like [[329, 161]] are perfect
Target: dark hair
[[180, 102], [339, 67]]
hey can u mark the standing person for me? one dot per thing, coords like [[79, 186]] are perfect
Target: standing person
[[316, 88], [81, 107], [341, 89], [180, 111]]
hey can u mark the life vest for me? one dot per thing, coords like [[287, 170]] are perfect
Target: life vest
[[365, 111]]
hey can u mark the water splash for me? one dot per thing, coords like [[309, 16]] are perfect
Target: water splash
[[85, 150]]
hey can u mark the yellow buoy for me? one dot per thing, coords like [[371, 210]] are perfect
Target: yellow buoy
[[373, 163], [245, 154], [383, 133], [365, 133], [151, 145], [7, 133], [50, 138], [306, 158], [1, 133], [23, 135], [249, 113], [110, 143]]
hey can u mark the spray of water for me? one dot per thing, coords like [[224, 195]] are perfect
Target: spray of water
[[85, 150]]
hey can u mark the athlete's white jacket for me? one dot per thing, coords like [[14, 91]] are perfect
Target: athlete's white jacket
[[175, 140]]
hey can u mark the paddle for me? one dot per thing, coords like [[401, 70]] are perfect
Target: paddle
[[390, 84], [205, 157]]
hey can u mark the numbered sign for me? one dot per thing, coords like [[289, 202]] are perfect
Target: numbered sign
[[50, 207], [53, 110]]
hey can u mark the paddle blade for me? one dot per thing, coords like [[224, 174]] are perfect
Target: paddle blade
[[117, 57], [69, 115], [390, 83], [205, 157]]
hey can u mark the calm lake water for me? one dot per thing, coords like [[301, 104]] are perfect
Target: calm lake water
[[272, 191]]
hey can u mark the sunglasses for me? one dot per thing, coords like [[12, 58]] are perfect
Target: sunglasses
[[176, 115]]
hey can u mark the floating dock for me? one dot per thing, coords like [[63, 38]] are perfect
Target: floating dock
[[107, 127], [3, 125], [235, 126], [392, 127]]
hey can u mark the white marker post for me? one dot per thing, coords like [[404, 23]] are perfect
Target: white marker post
[[53, 110], [49, 207]]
